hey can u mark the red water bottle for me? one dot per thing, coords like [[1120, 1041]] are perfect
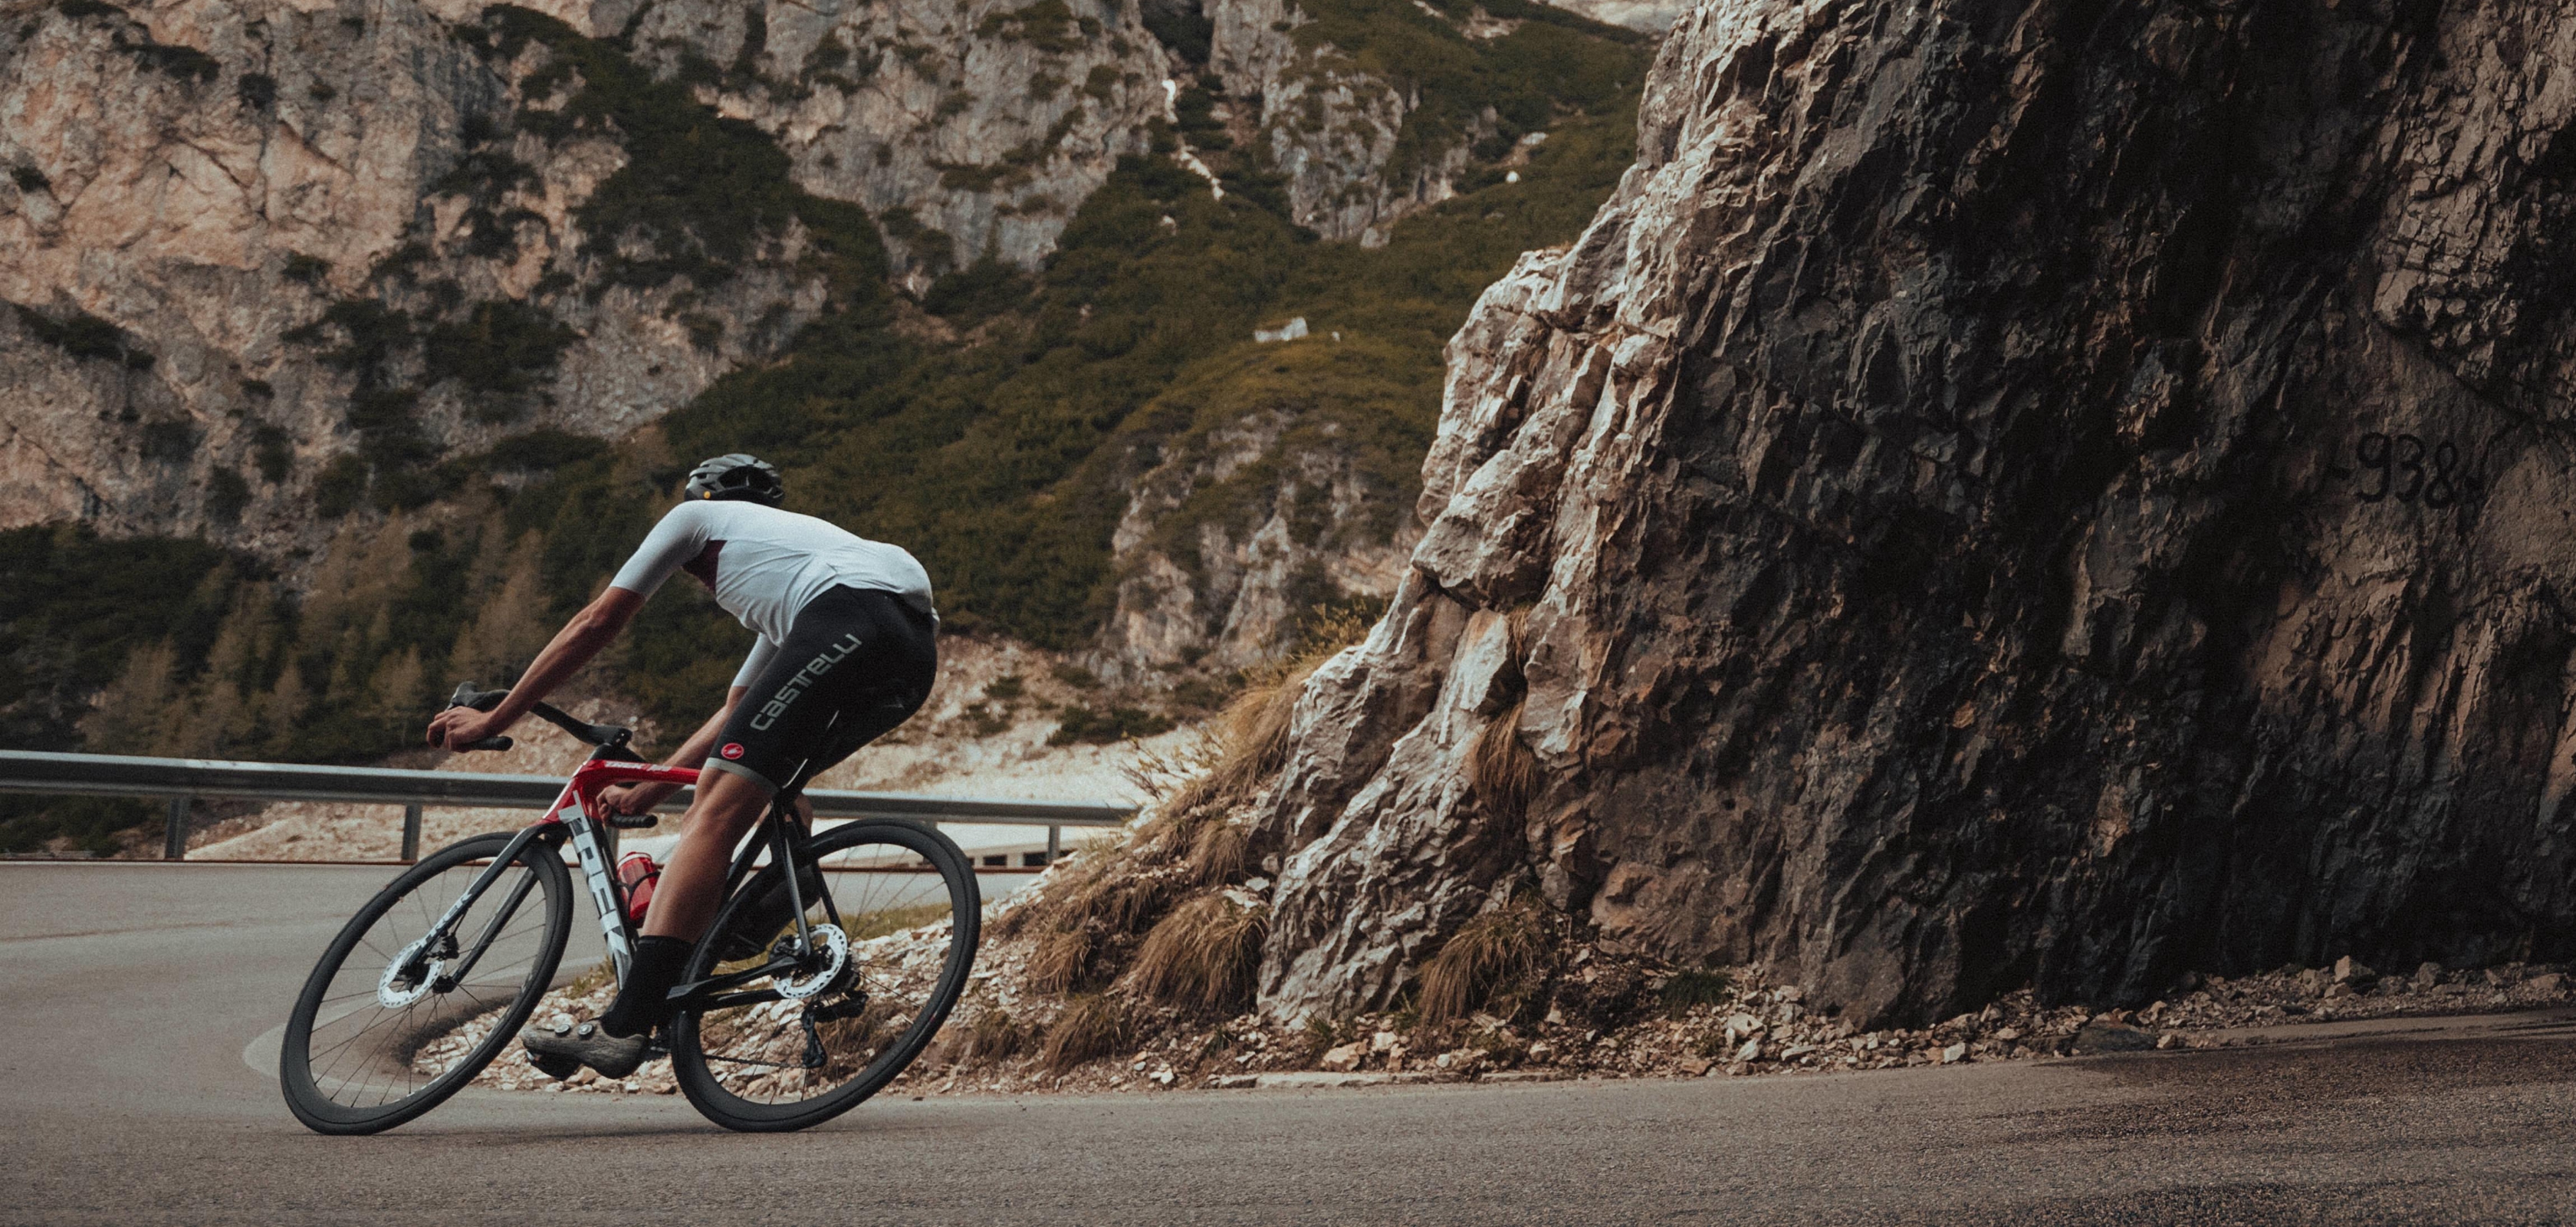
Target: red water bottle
[[637, 873]]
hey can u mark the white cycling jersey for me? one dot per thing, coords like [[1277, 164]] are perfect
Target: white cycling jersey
[[763, 564]]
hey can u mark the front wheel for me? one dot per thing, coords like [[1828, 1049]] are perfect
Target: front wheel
[[368, 1045], [895, 916]]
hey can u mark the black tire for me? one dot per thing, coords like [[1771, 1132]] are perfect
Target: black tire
[[736, 1065], [337, 1091]]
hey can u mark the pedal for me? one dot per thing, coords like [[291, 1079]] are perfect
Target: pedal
[[634, 822], [557, 1068]]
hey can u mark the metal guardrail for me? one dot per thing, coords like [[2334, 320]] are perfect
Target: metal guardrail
[[183, 779]]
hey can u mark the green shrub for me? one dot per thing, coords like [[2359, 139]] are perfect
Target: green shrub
[[168, 440], [499, 352], [340, 487], [226, 495], [184, 63], [273, 452], [86, 337], [1101, 725], [1047, 25], [87, 824]]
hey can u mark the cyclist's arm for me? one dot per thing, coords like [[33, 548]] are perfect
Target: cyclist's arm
[[681, 535], [594, 628]]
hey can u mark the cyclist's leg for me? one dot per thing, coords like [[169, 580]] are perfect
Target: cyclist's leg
[[684, 900], [855, 664]]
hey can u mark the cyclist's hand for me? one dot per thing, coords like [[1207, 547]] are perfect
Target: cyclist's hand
[[636, 798], [460, 725]]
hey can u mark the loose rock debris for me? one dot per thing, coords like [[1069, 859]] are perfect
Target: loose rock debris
[[1674, 1025]]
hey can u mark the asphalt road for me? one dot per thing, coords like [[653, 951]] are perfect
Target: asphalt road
[[128, 993]]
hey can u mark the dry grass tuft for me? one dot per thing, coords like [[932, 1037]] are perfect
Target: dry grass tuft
[[1061, 960], [1501, 769], [1126, 905], [1203, 955], [1090, 1028], [1490, 958], [1219, 854], [1252, 738], [994, 1037], [593, 980]]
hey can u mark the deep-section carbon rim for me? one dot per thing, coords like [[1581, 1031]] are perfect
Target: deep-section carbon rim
[[352, 1058], [908, 902]]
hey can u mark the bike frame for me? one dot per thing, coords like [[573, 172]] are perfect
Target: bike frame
[[576, 816]]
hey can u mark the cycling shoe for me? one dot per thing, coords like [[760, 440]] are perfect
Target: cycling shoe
[[566, 1047]]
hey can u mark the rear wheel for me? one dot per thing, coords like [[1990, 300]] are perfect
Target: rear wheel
[[867, 996], [369, 1043]]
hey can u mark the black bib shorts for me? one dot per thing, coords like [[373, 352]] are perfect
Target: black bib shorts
[[857, 662]]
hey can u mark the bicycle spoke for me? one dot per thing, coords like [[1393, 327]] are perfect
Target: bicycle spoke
[[778, 1054], [360, 1060]]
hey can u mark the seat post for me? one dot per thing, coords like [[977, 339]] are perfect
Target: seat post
[[780, 808]]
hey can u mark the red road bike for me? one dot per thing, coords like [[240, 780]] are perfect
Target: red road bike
[[833, 959]]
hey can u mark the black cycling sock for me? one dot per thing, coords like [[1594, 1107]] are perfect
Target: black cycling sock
[[645, 1000]]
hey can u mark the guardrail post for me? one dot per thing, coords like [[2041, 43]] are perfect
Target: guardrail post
[[174, 841], [1055, 843], [411, 831]]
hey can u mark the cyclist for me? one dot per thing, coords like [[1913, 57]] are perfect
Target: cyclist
[[845, 654]]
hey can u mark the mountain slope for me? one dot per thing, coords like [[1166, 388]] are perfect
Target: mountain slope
[[628, 244]]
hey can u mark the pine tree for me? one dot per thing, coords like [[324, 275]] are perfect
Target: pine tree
[[135, 713]]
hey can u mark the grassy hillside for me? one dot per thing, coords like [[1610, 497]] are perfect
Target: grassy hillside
[[1003, 459]]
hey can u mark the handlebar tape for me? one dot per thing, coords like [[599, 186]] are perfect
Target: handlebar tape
[[488, 743]]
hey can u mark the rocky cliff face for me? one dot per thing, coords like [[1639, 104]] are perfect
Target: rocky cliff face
[[2006, 493]]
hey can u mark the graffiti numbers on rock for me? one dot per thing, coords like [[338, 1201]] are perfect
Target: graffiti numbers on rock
[[2409, 470]]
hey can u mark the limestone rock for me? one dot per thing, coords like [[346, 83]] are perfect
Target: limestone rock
[[2050, 497]]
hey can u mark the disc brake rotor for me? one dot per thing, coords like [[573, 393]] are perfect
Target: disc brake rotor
[[399, 987], [821, 970]]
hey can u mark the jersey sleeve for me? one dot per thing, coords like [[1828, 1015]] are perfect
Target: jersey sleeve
[[754, 663], [677, 539]]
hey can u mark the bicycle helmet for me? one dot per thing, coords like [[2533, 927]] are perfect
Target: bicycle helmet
[[736, 476]]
